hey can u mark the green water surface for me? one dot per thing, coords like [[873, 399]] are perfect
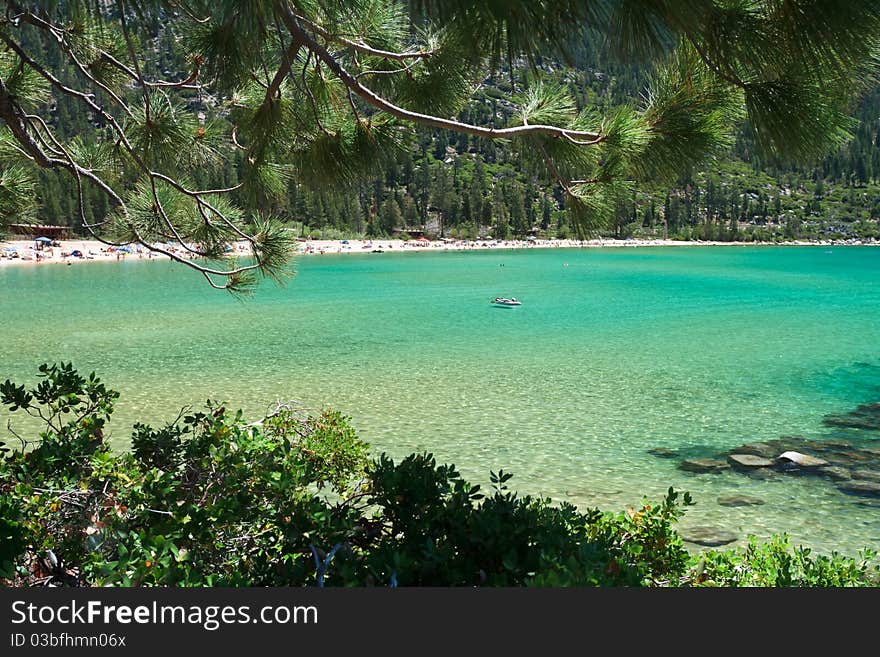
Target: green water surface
[[613, 352]]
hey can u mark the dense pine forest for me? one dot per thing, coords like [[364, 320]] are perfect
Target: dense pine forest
[[457, 186]]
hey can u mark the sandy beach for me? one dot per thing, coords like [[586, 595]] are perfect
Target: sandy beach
[[367, 246], [74, 251], [30, 252]]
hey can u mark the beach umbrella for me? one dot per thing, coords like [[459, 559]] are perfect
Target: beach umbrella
[[124, 249], [44, 240]]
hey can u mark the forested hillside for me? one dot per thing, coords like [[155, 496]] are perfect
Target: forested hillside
[[454, 185]]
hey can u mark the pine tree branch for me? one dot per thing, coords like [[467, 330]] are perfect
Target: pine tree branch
[[555, 170], [405, 69], [579, 137], [16, 120], [726, 75], [87, 98], [311, 96], [58, 34], [55, 82], [134, 59], [361, 47], [274, 89], [53, 154], [75, 168], [186, 83], [202, 203]]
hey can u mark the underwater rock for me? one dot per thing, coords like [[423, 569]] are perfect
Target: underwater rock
[[703, 466], [835, 473], [866, 475], [791, 443], [865, 416], [663, 452], [861, 488], [749, 461], [849, 457], [740, 500], [764, 450], [801, 460], [708, 536], [760, 473], [832, 444]]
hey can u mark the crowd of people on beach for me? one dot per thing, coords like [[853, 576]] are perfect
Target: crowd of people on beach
[[23, 251], [70, 251], [320, 247], [78, 250], [67, 251]]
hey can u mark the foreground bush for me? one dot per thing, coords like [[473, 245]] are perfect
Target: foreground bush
[[210, 500], [777, 563]]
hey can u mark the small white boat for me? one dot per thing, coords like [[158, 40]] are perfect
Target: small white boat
[[504, 301]]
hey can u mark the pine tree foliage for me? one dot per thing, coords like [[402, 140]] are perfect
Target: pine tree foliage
[[326, 92]]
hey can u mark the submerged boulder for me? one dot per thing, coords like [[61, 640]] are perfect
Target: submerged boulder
[[849, 457], [832, 444], [835, 473], [860, 487], [739, 500], [663, 452], [868, 475], [708, 536], [793, 443], [801, 460], [749, 461], [866, 416], [703, 466], [759, 473], [765, 450]]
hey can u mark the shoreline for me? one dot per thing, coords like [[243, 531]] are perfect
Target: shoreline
[[322, 247], [91, 250]]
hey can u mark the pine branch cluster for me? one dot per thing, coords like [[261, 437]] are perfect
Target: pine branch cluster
[[324, 91]]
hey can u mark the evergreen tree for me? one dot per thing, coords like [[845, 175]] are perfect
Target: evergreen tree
[[148, 102], [546, 212], [390, 216]]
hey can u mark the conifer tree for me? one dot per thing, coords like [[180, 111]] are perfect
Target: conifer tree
[[324, 91]]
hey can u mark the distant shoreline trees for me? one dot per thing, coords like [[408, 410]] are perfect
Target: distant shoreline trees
[[193, 117]]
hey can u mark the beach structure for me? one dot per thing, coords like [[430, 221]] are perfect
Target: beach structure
[[40, 230]]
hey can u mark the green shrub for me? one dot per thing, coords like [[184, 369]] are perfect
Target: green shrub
[[205, 500], [777, 563], [12, 537], [294, 500], [439, 530]]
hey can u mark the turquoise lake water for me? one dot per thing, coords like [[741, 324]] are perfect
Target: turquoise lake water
[[613, 352]]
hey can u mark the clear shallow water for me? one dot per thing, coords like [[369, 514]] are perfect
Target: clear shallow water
[[614, 351]]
